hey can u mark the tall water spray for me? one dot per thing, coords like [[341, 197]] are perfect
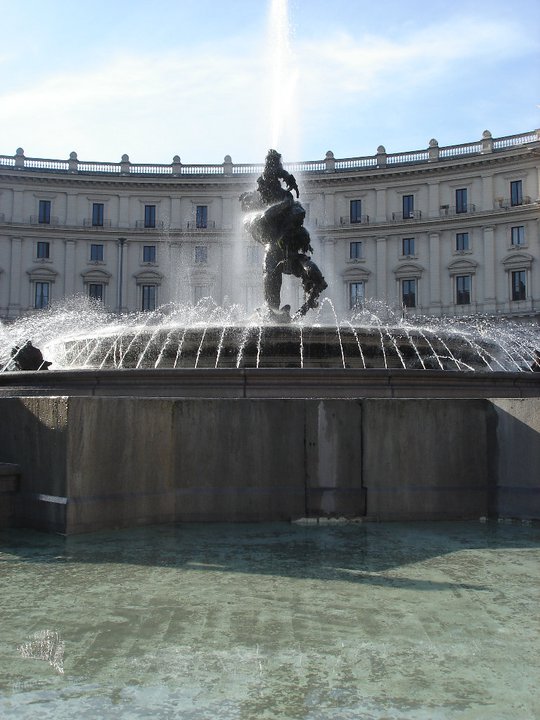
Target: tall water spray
[[284, 129]]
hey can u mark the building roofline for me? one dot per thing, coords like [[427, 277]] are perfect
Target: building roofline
[[381, 161]]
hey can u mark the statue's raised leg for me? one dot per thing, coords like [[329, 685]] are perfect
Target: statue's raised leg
[[313, 283], [272, 278]]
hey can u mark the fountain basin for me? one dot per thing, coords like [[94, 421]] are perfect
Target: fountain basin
[[285, 346]]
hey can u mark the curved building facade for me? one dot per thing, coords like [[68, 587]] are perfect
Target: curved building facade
[[444, 231]]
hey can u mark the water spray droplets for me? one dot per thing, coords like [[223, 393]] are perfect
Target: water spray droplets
[[77, 335]]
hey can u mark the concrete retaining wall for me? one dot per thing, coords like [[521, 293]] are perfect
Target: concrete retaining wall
[[89, 463]]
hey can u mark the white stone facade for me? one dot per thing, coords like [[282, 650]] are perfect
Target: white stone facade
[[442, 231]]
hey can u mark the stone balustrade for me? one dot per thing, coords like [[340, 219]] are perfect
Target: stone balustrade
[[382, 159]]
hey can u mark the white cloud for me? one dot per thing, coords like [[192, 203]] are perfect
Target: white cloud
[[344, 65], [133, 98], [209, 101]]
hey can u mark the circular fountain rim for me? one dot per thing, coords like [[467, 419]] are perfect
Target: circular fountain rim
[[257, 383]]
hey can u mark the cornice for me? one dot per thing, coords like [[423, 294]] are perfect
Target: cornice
[[126, 183], [443, 168], [75, 232]]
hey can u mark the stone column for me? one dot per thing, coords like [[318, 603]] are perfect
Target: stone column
[[489, 270], [435, 271], [381, 284], [69, 268], [16, 279]]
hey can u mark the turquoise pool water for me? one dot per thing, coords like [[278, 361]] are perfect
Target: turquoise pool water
[[393, 621]]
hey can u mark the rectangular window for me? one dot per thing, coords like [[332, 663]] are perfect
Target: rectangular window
[[149, 216], [44, 212], [463, 289], [519, 286], [355, 214], [408, 293], [97, 214], [461, 200], [518, 235], [201, 254], [355, 250], [149, 253], [516, 192], [462, 241], [43, 250], [356, 294], [149, 297], [407, 246], [96, 253], [42, 295], [408, 207], [201, 216], [95, 291]]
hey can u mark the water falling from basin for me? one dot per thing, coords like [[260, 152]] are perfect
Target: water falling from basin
[[79, 335]]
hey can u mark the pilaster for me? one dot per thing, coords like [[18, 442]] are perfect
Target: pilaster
[[434, 270], [69, 271], [381, 278], [380, 205], [15, 277], [489, 268], [487, 192], [434, 199]]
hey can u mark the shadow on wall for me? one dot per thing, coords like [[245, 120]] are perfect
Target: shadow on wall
[[33, 434]]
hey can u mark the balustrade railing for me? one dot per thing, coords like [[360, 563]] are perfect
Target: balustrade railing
[[35, 220], [451, 210], [506, 203], [363, 219], [95, 167], [354, 163], [194, 225], [413, 215], [37, 164], [140, 225], [456, 150], [228, 168], [88, 222], [419, 156], [511, 140]]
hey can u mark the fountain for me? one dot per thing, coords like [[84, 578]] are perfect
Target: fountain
[[207, 413], [80, 335]]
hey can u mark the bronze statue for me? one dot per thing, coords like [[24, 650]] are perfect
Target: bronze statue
[[28, 357], [276, 220]]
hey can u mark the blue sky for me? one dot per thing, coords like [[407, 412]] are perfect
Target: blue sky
[[156, 78]]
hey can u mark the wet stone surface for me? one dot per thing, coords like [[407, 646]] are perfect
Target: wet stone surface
[[393, 621]]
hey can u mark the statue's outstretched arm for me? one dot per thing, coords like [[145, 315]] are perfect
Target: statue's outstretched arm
[[290, 181]]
